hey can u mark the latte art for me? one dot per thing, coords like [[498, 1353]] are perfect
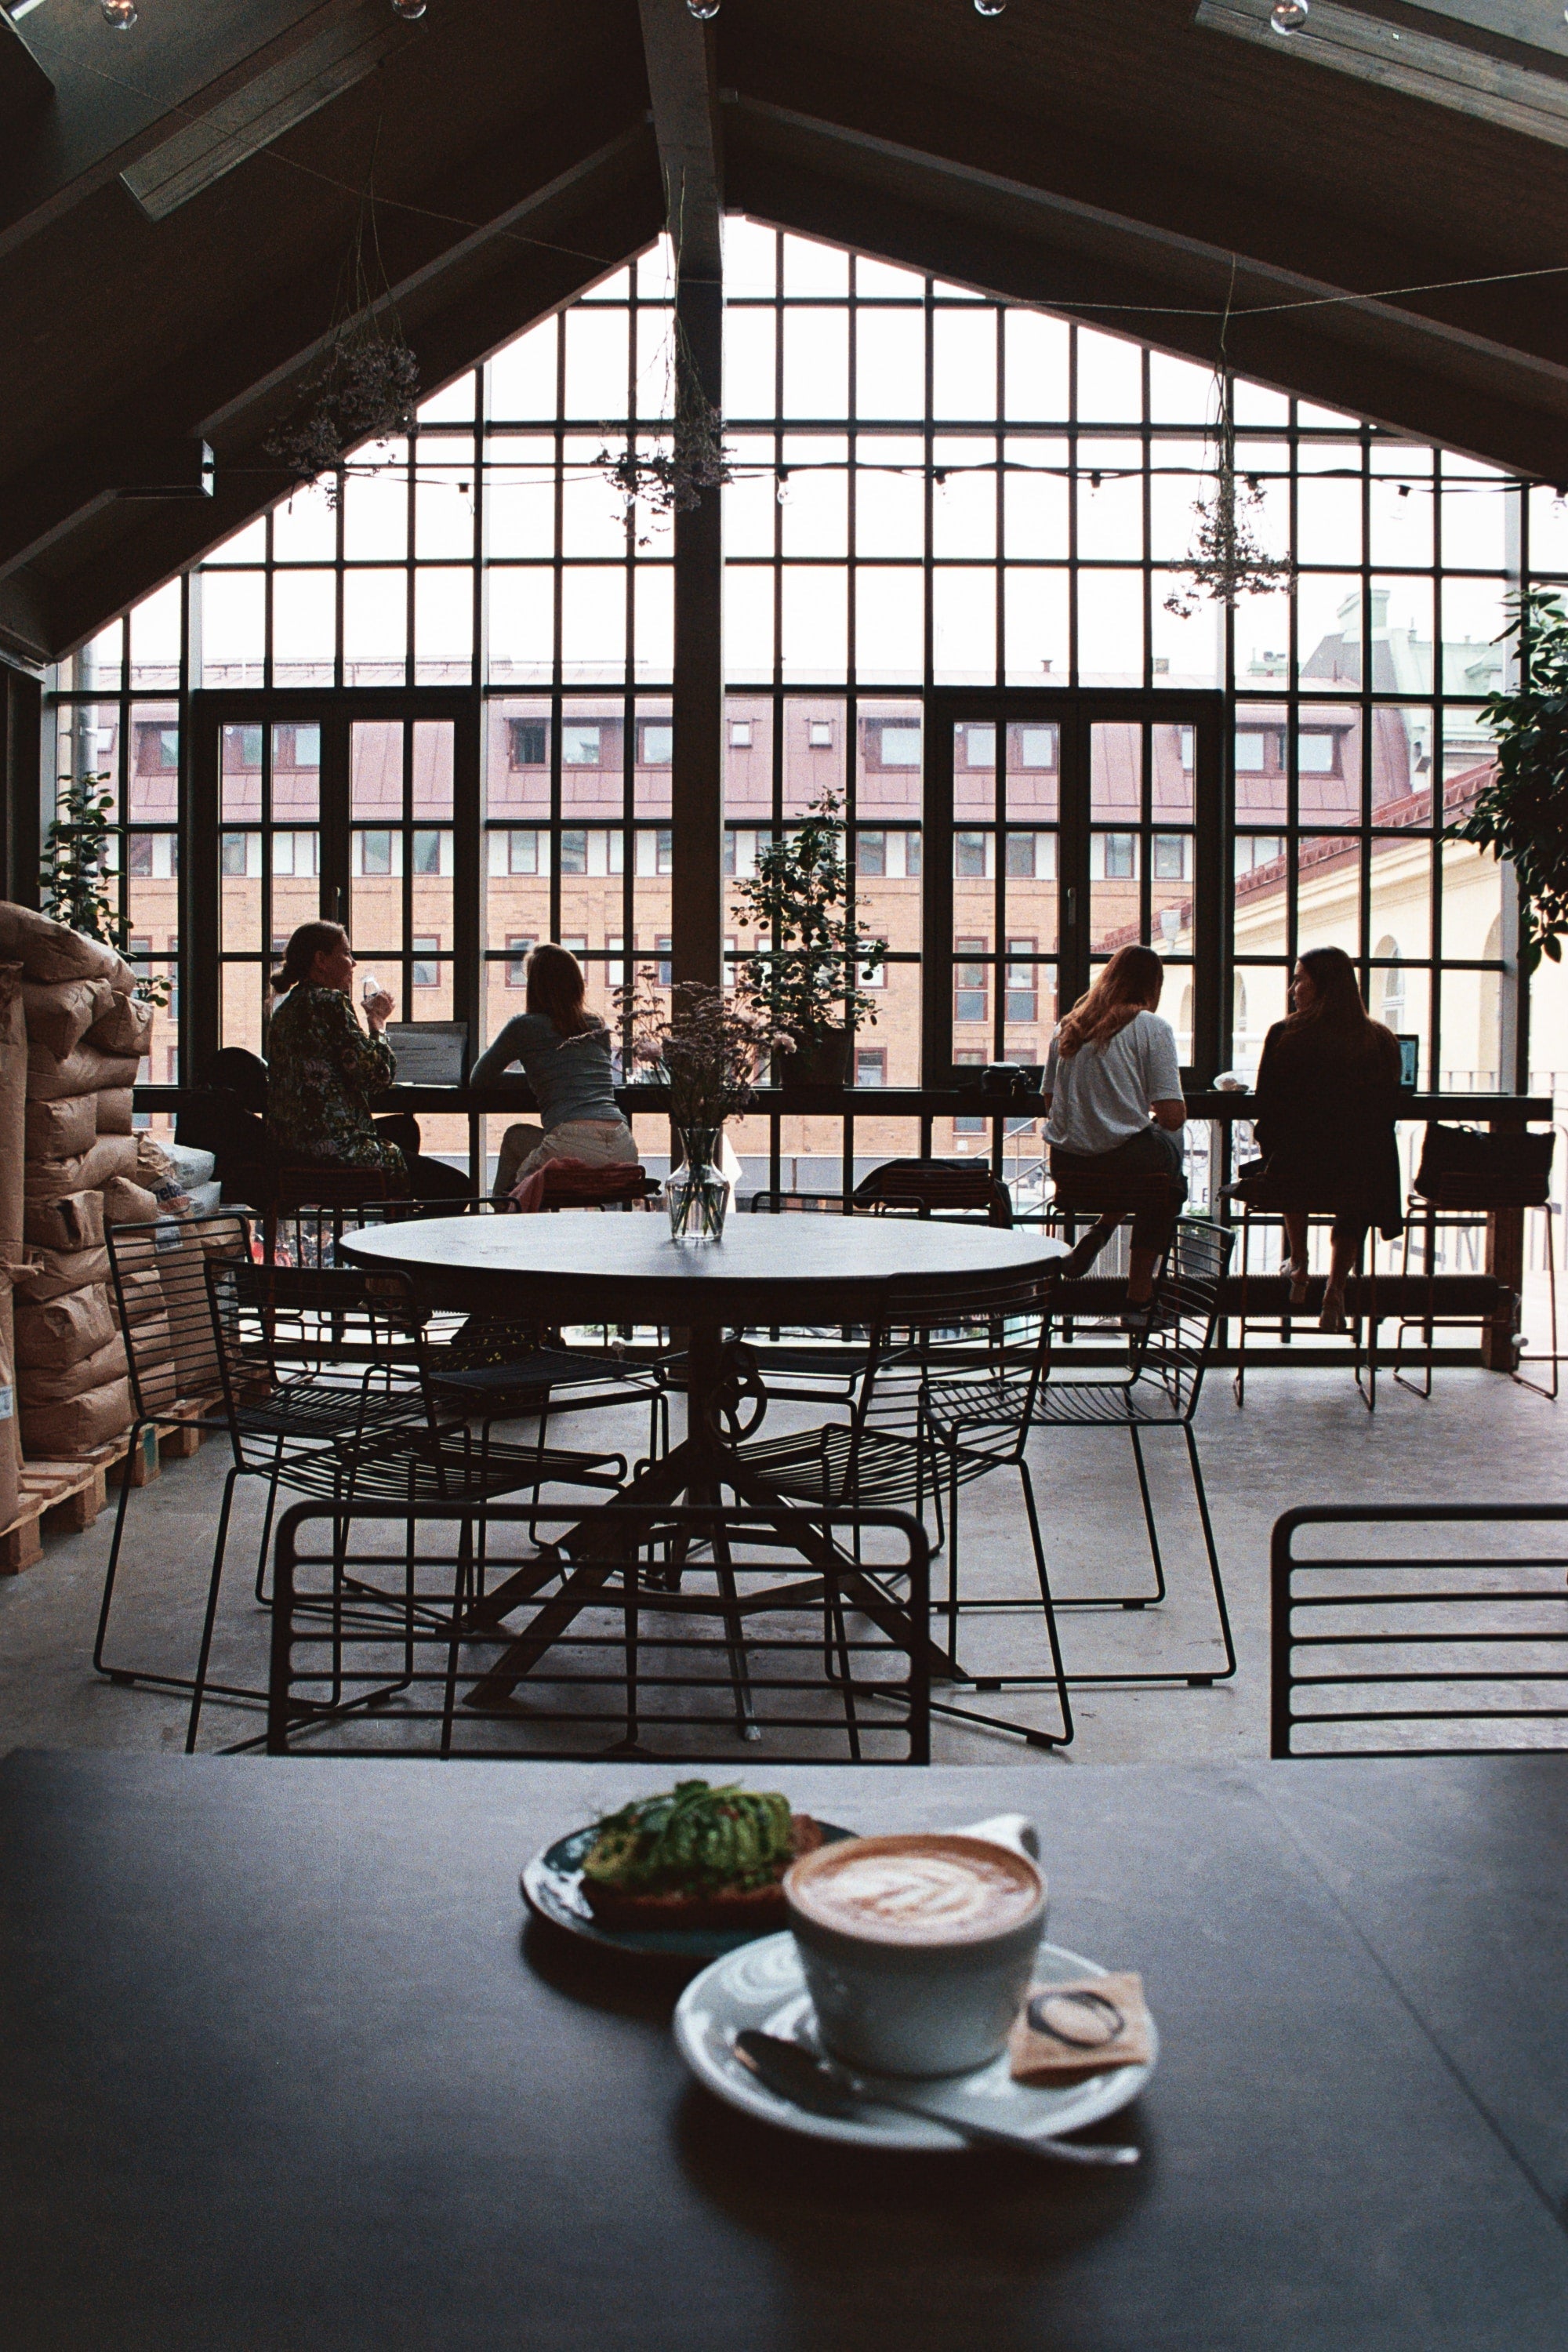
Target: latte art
[[916, 1890]]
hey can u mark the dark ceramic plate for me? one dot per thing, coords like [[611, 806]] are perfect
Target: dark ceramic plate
[[552, 1888]]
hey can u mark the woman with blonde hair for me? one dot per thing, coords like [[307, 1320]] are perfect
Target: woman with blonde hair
[[564, 1050], [1113, 1096]]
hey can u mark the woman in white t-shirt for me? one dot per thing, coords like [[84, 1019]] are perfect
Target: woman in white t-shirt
[[1113, 1092]]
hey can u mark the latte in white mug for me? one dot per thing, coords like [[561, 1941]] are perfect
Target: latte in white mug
[[917, 1950]]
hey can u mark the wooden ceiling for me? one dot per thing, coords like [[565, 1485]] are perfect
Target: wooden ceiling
[[1119, 163]]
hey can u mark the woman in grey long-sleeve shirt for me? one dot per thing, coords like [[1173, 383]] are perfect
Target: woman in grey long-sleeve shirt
[[564, 1050]]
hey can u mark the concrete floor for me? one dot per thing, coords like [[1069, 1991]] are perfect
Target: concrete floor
[[1304, 1437]]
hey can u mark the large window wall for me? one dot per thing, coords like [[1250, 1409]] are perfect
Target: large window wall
[[932, 490]]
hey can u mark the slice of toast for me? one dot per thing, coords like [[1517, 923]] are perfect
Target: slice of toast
[[749, 1908]]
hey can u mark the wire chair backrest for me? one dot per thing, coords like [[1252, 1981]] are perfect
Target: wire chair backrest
[[159, 1274], [277, 1328], [400, 1666], [995, 1347], [936, 1188], [1180, 1342], [1451, 1639]]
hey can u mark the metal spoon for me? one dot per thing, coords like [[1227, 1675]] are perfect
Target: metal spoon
[[795, 2073]]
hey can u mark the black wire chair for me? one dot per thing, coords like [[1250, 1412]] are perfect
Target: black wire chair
[[803, 1363], [370, 1644], [1161, 1390], [1390, 1652], [158, 1274], [377, 1408], [940, 1406]]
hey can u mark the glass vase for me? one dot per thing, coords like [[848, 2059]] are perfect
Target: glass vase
[[697, 1193]]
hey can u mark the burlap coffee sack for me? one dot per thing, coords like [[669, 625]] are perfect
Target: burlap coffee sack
[[142, 1293], [38, 1384], [127, 1204], [63, 1331], [73, 1223], [85, 1071], [115, 1108], [13, 1100], [123, 1025], [40, 1273], [61, 1011], [61, 1130], [49, 951], [61, 1432], [184, 1274], [10, 1436]]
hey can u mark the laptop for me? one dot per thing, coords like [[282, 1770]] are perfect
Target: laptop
[[429, 1053]]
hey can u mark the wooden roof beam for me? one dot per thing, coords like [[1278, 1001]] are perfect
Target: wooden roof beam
[[256, 359], [678, 54], [458, 313]]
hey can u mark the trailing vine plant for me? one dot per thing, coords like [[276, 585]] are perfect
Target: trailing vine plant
[[368, 383], [77, 873], [1521, 814], [1228, 560]]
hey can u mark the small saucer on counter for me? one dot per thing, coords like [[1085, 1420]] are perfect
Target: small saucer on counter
[[763, 1985]]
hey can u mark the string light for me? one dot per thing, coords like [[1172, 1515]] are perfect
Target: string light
[[120, 13], [1288, 16], [409, 10]]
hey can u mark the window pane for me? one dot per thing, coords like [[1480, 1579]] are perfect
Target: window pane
[[889, 363]]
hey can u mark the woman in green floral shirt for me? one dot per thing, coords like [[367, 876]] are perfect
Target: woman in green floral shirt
[[322, 1070], [323, 1073]]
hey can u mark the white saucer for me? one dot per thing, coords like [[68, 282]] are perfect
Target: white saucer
[[761, 1985]]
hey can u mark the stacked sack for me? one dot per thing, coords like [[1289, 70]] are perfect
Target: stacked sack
[[80, 1171], [13, 1105]]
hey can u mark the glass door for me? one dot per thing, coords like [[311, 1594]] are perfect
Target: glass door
[[1079, 824], [362, 809]]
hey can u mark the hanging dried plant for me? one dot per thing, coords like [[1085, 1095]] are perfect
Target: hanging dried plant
[[1228, 560], [369, 381], [671, 480]]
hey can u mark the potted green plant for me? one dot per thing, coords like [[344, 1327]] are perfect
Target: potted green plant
[[75, 871], [1521, 813], [805, 975]]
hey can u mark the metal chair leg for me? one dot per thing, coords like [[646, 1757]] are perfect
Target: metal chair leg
[[1201, 1682], [198, 1688]]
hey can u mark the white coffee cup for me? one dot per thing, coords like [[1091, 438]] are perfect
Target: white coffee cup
[[917, 1950]]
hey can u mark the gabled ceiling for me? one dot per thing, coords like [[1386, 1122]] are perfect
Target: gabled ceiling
[[1126, 164]]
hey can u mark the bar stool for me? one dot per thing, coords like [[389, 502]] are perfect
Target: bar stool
[[1271, 1197], [936, 1188], [1080, 1194], [296, 1187], [1501, 1172]]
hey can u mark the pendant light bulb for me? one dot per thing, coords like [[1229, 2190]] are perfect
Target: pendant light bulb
[[120, 13], [409, 10], [703, 9], [1289, 17], [989, 7]]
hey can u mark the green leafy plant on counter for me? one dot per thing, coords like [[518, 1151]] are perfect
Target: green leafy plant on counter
[[811, 956], [78, 873], [1521, 813]]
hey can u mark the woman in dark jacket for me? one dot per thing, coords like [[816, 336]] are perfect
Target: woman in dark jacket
[[1328, 1095]]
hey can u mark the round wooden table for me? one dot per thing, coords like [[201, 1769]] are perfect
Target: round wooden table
[[795, 1269]]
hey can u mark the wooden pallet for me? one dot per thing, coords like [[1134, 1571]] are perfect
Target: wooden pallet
[[64, 1497]]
